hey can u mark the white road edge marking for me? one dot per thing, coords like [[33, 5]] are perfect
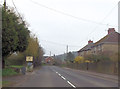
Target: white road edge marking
[[71, 84]]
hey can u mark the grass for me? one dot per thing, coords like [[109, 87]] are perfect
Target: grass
[[16, 66], [44, 64], [0, 71], [5, 83], [8, 72], [63, 65]]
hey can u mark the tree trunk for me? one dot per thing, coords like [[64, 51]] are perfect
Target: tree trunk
[[3, 63]]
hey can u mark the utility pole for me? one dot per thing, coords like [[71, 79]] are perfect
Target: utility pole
[[5, 4], [67, 49], [50, 53], [66, 52]]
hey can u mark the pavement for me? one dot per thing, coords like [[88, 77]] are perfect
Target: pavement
[[109, 76], [53, 76]]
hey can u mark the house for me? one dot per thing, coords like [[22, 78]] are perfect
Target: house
[[48, 59], [86, 50], [107, 45]]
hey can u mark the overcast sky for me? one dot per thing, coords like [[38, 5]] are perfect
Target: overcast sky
[[58, 23]]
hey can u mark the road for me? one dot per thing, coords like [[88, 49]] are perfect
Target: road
[[52, 76]]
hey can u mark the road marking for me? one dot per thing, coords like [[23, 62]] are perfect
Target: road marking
[[63, 78], [59, 74], [71, 84]]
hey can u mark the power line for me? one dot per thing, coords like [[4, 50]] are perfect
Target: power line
[[104, 19], [59, 43], [78, 17], [61, 12], [52, 51], [101, 22], [17, 10], [69, 16]]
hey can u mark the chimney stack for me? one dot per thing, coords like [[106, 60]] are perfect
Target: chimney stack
[[90, 41], [111, 30]]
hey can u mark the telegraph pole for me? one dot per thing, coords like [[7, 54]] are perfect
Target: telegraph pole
[[50, 53], [5, 4], [66, 52], [67, 49]]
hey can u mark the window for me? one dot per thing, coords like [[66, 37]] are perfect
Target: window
[[95, 49]]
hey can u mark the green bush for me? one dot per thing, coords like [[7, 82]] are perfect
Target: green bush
[[14, 59]]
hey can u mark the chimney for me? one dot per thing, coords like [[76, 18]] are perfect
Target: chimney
[[111, 30], [90, 41]]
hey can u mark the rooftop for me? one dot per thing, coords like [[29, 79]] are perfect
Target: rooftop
[[111, 37]]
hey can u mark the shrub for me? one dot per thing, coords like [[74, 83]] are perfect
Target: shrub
[[79, 59]]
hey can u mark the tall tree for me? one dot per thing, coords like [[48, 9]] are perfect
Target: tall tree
[[14, 33], [35, 50], [70, 57]]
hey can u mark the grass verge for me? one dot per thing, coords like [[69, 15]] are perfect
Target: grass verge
[[43, 64], [8, 72], [16, 66], [5, 83]]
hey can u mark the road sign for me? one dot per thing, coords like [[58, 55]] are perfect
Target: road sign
[[29, 58]]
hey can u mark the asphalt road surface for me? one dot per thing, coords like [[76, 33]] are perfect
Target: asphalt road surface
[[52, 76]]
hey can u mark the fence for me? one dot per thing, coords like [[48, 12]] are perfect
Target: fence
[[107, 67]]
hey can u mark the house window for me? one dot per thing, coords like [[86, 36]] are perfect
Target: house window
[[95, 49], [99, 47]]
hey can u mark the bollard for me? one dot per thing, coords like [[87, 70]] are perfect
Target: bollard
[[23, 70]]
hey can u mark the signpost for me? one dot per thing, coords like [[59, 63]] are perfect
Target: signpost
[[29, 58], [87, 61]]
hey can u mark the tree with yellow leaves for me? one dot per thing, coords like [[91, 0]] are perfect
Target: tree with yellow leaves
[[35, 50], [79, 59], [33, 47]]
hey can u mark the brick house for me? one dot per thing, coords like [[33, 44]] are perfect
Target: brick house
[[48, 59], [107, 45]]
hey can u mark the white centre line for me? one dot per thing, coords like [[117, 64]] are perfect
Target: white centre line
[[59, 74], [71, 84], [65, 79]]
